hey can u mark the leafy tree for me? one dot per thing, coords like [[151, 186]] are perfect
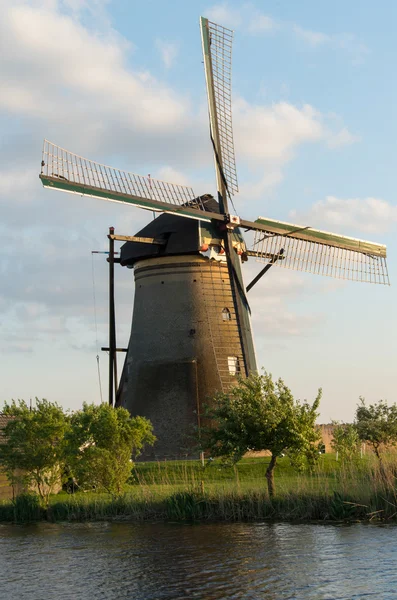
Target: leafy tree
[[260, 414], [32, 447], [377, 425], [100, 445], [345, 440]]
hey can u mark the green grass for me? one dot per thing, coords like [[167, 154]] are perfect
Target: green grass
[[184, 490]]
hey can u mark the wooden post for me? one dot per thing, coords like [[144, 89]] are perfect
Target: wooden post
[[112, 323]]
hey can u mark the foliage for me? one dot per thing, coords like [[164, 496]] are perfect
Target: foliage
[[27, 508], [342, 507], [331, 491], [260, 414], [100, 445], [377, 424], [185, 506], [32, 448], [346, 441]]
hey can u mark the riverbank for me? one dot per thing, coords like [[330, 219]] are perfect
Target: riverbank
[[184, 491]]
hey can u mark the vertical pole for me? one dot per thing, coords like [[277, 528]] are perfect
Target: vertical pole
[[112, 324], [198, 415]]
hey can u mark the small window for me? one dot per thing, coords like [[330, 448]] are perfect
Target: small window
[[226, 314], [233, 364]]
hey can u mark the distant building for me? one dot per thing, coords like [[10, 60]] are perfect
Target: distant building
[[7, 490], [327, 435]]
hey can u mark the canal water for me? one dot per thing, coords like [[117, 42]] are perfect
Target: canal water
[[115, 561]]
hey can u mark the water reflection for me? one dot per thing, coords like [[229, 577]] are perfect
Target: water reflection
[[209, 562]]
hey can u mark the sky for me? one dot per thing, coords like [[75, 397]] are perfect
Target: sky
[[122, 82]]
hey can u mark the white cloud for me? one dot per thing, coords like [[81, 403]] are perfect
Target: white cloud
[[273, 303], [51, 62], [342, 138], [48, 59], [268, 136], [272, 132], [342, 41], [314, 38], [172, 175], [249, 19], [224, 15], [261, 24], [372, 215], [75, 85], [17, 184], [168, 52]]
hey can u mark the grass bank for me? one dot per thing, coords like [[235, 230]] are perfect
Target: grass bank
[[185, 491]]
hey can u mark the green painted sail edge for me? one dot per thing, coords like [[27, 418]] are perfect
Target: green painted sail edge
[[204, 34], [147, 203], [322, 237]]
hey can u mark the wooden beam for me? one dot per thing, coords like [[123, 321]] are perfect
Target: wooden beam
[[268, 255], [106, 349], [275, 258], [140, 240], [112, 323]]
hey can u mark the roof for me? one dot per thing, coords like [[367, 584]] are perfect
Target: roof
[[181, 236], [4, 419]]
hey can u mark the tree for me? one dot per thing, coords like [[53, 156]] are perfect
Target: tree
[[377, 425], [345, 440], [32, 447], [101, 442], [258, 414]]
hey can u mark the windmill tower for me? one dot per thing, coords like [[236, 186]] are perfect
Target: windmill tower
[[191, 332]]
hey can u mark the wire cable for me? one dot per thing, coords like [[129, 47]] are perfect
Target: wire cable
[[96, 326]]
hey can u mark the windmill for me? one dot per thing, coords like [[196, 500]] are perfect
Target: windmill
[[191, 330]]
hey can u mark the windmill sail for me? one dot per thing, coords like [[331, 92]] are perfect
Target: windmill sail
[[319, 252], [65, 171], [217, 51]]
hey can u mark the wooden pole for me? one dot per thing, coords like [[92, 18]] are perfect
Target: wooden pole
[[112, 323]]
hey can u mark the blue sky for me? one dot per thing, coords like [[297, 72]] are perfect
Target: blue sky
[[122, 82]]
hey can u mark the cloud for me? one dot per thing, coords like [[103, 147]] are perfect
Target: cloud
[[342, 138], [252, 21], [372, 215], [225, 15], [168, 52], [247, 18], [15, 183], [267, 138], [50, 60], [314, 38], [172, 175], [341, 41], [272, 132], [74, 83], [56, 74], [273, 301], [261, 24]]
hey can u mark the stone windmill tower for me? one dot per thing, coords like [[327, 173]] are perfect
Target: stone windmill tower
[[191, 331]]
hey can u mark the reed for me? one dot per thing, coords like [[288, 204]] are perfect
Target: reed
[[355, 491]]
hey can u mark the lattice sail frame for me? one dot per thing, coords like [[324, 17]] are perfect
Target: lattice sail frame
[[70, 172], [342, 257], [217, 49]]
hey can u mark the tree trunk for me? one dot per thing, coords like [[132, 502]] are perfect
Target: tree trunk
[[270, 476]]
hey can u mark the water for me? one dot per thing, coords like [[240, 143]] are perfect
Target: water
[[211, 561]]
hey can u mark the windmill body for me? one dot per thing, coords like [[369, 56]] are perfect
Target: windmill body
[[185, 341], [191, 330]]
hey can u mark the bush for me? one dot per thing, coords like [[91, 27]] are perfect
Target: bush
[[27, 508]]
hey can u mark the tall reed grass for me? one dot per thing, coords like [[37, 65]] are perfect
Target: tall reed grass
[[358, 490]]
